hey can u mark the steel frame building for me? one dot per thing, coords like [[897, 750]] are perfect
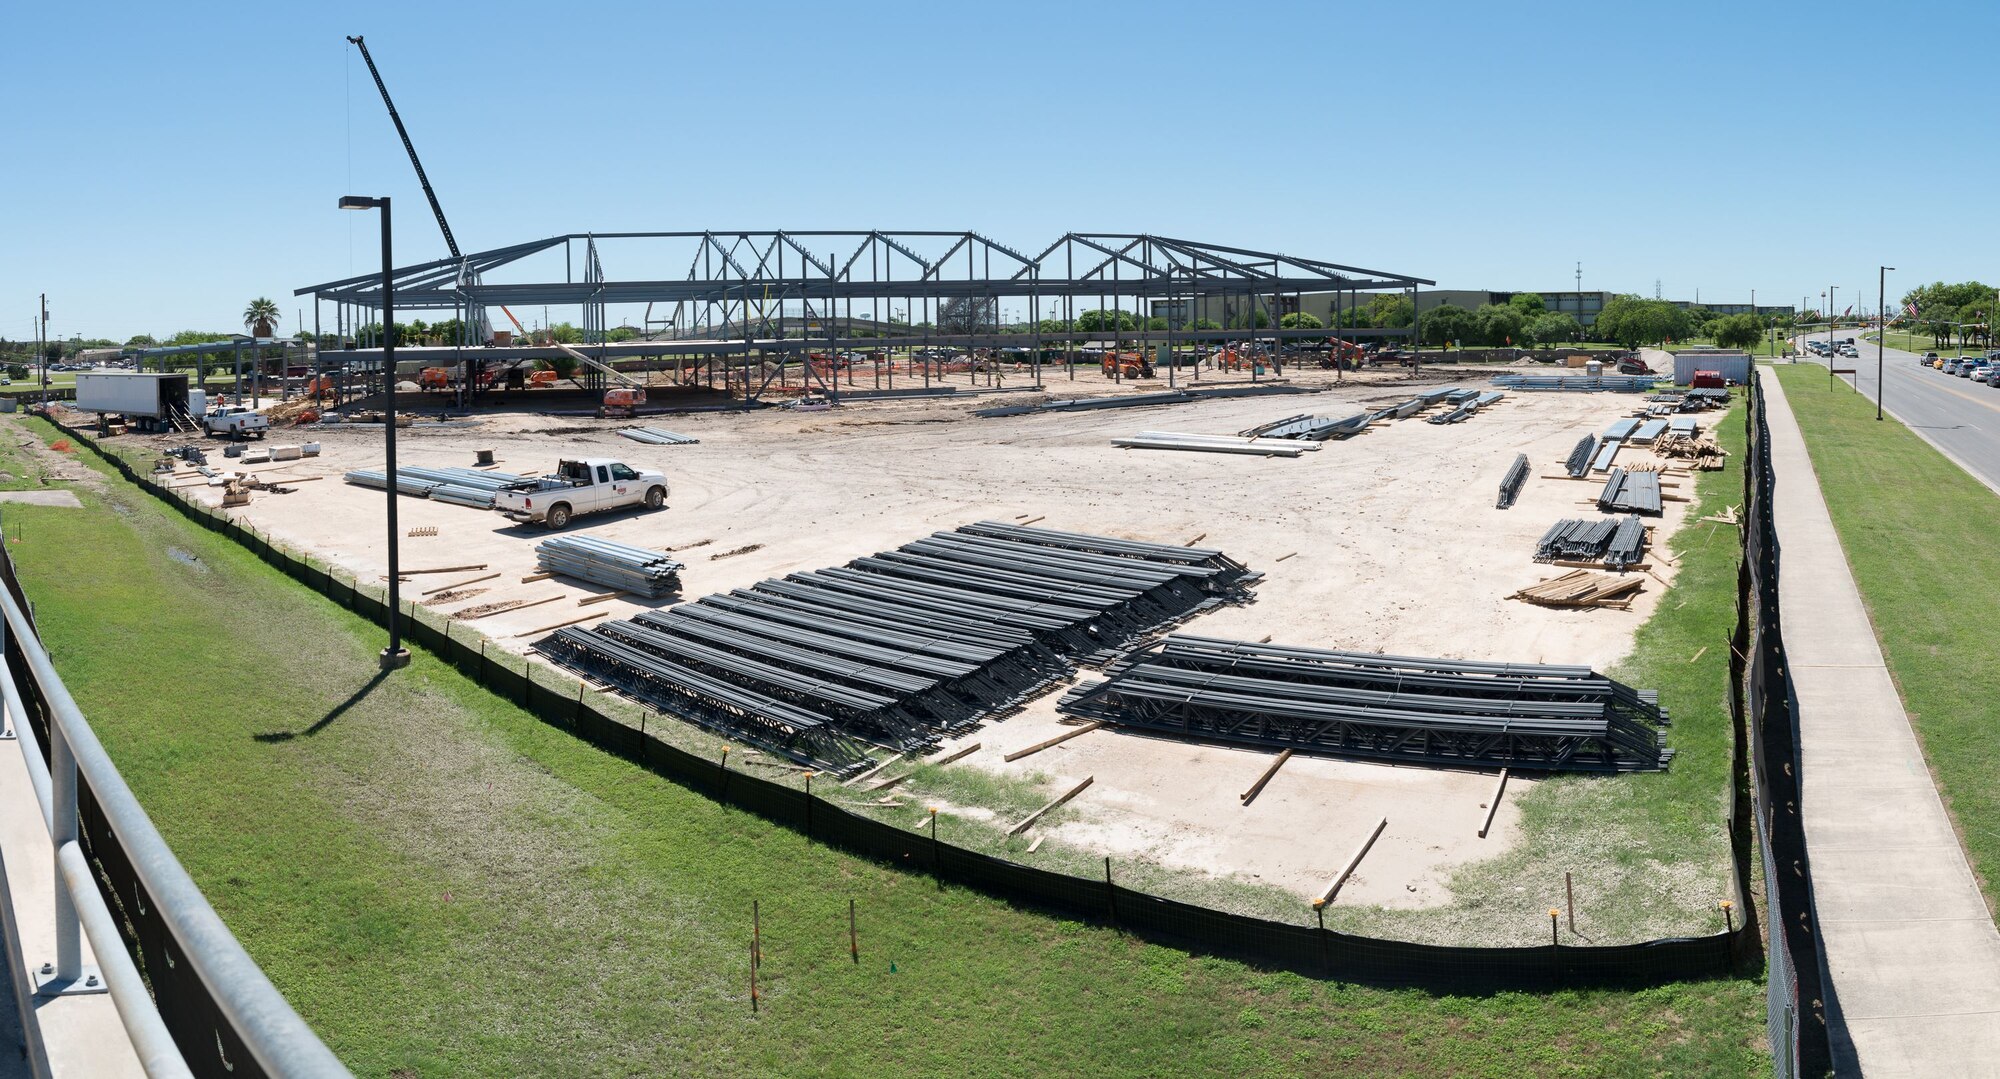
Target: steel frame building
[[844, 286]]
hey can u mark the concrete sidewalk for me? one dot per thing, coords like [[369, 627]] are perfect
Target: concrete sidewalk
[[1911, 951]]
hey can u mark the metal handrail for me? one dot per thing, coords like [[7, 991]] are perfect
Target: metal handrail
[[275, 1035]]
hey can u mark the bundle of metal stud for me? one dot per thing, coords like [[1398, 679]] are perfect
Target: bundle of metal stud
[[614, 565], [1510, 484], [462, 486], [1631, 492], [655, 436], [1310, 428], [1351, 704]]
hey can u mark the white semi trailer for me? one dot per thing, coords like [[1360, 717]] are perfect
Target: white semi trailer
[[147, 401]]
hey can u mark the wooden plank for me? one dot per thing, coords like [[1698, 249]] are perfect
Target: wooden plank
[[1038, 814], [516, 606], [467, 581], [559, 625], [1037, 844], [891, 781], [886, 762], [1493, 804], [962, 751], [588, 600], [1026, 523], [1257, 788], [1353, 861], [1057, 740], [533, 577], [443, 569]]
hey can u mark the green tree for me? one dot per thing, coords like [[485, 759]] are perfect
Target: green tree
[[1156, 323], [1257, 319], [1390, 310], [1205, 324], [1301, 320], [143, 340], [1554, 327], [261, 314], [1497, 325], [1100, 320], [566, 333], [1529, 304], [1052, 325], [1445, 324], [1737, 331], [1631, 321]]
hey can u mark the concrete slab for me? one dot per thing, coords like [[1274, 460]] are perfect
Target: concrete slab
[[1903, 1046], [1911, 951]]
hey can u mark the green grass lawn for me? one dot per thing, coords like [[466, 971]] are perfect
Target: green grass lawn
[[445, 886], [1919, 536], [1921, 343]]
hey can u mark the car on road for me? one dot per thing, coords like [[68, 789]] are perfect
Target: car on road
[[1950, 366], [1929, 360], [1972, 367]]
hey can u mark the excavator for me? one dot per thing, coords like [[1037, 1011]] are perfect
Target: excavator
[[628, 392]]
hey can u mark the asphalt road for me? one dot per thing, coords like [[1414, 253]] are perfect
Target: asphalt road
[[1957, 415]]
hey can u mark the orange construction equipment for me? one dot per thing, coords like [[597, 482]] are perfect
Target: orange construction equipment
[[622, 401], [1126, 365], [1342, 350], [433, 378]]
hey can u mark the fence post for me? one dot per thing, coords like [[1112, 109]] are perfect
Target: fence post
[[1319, 910], [1110, 891]]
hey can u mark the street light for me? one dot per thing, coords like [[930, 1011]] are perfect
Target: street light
[[1881, 330], [395, 655]]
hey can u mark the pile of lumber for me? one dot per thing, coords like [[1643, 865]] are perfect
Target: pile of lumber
[[1582, 588], [1701, 450]]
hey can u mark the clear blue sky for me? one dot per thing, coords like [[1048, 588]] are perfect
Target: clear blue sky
[[187, 157]]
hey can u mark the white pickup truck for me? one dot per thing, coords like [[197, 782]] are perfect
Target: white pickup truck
[[585, 485], [236, 421]]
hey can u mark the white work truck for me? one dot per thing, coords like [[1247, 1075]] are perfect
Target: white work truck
[[584, 485], [236, 421]]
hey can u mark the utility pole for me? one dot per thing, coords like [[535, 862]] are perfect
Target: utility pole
[[42, 352], [1881, 332]]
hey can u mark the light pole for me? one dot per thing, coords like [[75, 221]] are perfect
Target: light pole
[[1882, 330], [395, 655]]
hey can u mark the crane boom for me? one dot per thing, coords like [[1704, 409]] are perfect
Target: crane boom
[[438, 211]]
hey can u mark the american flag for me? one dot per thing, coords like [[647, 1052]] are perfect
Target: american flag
[[1910, 308], [1849, 312]]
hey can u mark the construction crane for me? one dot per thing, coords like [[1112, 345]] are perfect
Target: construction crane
[[410, 147], [472, 378]]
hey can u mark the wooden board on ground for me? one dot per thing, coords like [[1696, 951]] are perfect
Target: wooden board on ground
[[1060, 799], [1057, 740]]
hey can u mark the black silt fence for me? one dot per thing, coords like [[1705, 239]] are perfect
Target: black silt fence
[[1763, 701], [1303, 948]]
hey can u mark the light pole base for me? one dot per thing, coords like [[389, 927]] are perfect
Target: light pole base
[[394, 659], [87, 981]]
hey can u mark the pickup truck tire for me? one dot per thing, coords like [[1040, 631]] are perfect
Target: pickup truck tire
[[557, 517], [656, 497]]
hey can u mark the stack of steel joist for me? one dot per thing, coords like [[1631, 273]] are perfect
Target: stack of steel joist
[[1310, 428], [1510, 484], [1581, 456], [1617, 541], [900, 648], [655, 436], [1631, 492], [1349, 704], [614, 565]]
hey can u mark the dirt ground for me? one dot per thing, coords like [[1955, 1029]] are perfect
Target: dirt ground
[[1393, 540]]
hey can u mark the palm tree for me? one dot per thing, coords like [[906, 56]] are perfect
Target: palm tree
[[260, 317]]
